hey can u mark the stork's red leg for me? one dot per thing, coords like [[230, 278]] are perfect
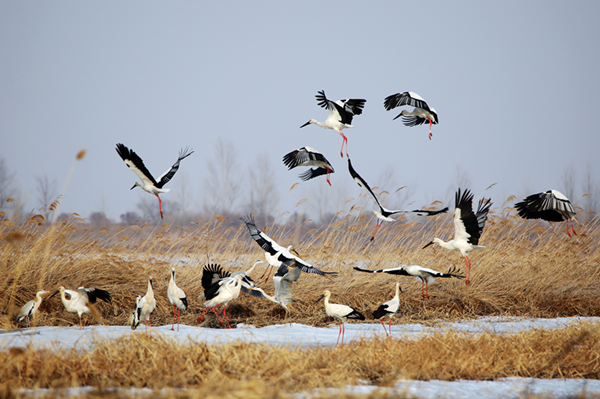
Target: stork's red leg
[[377, 226], [468, 266], [201, 317], [344, 141], [213, 309], [178, 316], [159, 205], [267, 272], [386, 333], [339, 333], [174, 315], [224, 314], [430, 123], [427, 289], [328, 173], [343, 332]]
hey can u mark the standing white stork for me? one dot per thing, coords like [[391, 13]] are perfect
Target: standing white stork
[[552, 206], [276, 254], [134, 319], [468, 227], [340, 312], [177, 298], [147, 304], [389, 309], [308, 156], [383, 214], [28, 310], [219, 287], [421, 114], [81, 301], [422, 274], [340, 115], [149, 184]]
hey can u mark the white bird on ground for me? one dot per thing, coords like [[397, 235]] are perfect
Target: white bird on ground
[[421, 114], [422, 274], [225, 289], [275, 254], [81, 301], [389, 309], [468, 227], [149, 184], [383, 214], [307, 156], [147, 304], [28, 310], [340, 312], [340, 115], [134, 319], [552, 206], [177, 298]]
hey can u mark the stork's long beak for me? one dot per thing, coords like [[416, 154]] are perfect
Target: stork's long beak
[[306, 124], [56, 292], [428, 244], [133, 187], [321, 297]]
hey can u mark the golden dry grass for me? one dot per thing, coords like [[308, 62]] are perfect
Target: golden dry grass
[[527, 269]]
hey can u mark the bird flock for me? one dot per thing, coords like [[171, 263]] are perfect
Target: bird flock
[[221, 286]]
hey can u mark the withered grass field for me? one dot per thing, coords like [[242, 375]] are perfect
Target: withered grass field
[[528, 269]]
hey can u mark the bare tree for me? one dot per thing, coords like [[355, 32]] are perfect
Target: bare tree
[[568, 180], [8, 190], [222, 187], [264, 195], [591, 188], [46, 191]]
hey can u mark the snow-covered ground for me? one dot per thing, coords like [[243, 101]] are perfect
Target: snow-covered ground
[[301, 335]]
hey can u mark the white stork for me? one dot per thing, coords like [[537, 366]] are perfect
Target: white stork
[[421, 114], [147, 304], [134, 319], [307, 156], [276, 254], [149, 184], [219, 287], [340, 312], [424, 275], [552, 206], [177, 298], [389, 309], [468, 227], [81, 301], [340, 115], [383, 214], [28, 310]]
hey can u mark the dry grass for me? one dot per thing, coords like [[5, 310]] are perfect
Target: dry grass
[[527, 269]]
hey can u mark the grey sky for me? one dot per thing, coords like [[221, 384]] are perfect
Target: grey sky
[[514, 83]]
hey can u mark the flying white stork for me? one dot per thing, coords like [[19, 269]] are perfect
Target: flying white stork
[[276, 254], [149, 184], [389, 309], [177, 298], [147, 304], [468, 227], [220, 287], [81, 301], [421, 114], [307, 156], [424, 275], [340, 312], [383, 214], [340, 115], [28, 310], [552, 206]]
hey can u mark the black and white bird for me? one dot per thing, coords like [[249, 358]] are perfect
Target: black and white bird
[[340, 312], [551, 205], [383, 214], [275, 254], [424, 275], [82, 300], [421, 114], [149, 184], [147, 304], [177, 298], [134, 319], [28, 310], [389, 309], [468, 227], [307, 156], [220, 287], [340, 115]]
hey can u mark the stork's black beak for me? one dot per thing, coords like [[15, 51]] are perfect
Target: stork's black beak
[[321, 297], [428, 244], [133, 187], [306, 124], [56, 292]]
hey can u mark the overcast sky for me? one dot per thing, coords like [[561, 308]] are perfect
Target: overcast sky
[[515, 85]]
